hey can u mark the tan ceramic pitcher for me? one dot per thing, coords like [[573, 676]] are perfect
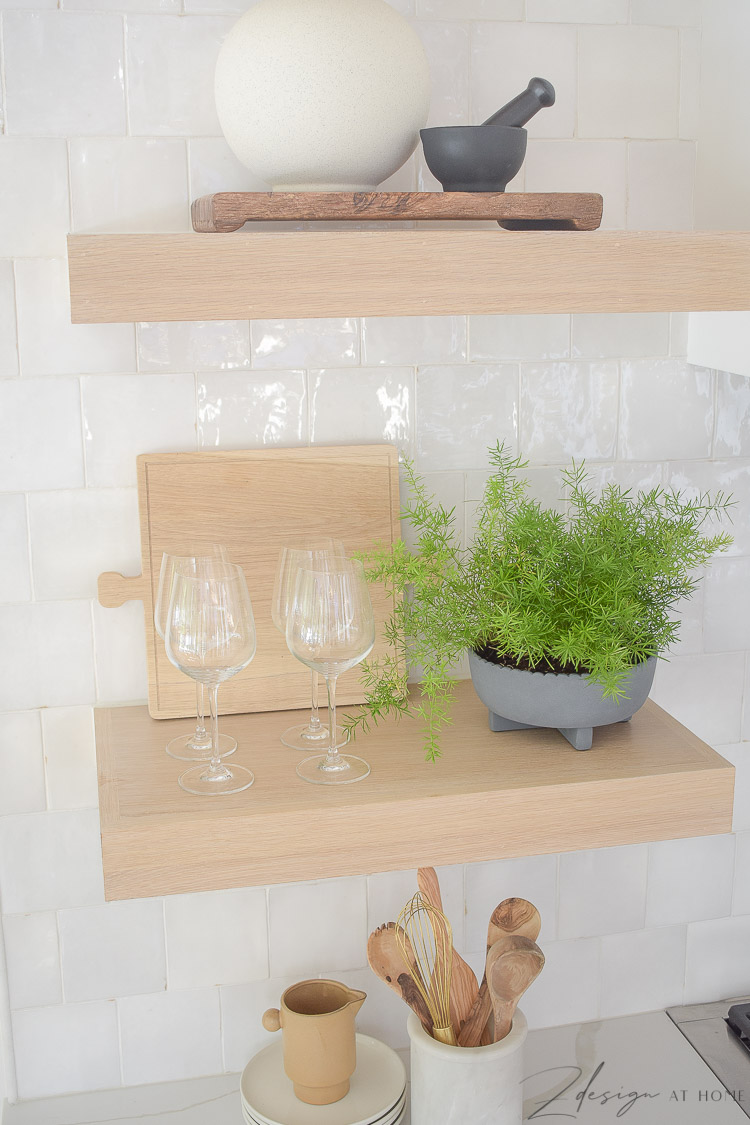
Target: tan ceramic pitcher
[[320, 1053]]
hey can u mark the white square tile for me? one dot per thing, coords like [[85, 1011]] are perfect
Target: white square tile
[[738, 753], [488, 884], [397, 340], [642, 971], [125, 5], [33, 957], [602, 891], [611, 335], [446, 489], [70, 757], [214, 167], [8, 341], [462, 411], [471, 10], [77, 535], [578, 11], [129, 184], [690, 83], [567, 991], [305, 343], [310, 923], [216, 938], [666, 410], [64, 73], [223, 345], [389, 891], [21, 763], [727, 605], [666, 13], [704, 693], [170, 1035], [628, 82], [446, 45], [131, 414], [66, 1048], [678, 334], [732, 477], [600, 166], [689, 880], [568, 410], [717, 959], [242, 1006], [120, 645], [247, 411], [732, 437], [50, 860], [47, 659], [371, 404], [40, 434], [689, 614], [519, 337], [112, 950], [661, 176], [15, 574], [48, 343], [741, 896], [553, 49], [35, 214], [171, 62]]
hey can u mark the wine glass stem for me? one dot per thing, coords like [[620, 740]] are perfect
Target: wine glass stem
[[213, 703], [332, 758], [200, 710], [314, 717]]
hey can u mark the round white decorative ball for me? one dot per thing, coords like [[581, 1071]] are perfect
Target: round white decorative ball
[[322, 95]]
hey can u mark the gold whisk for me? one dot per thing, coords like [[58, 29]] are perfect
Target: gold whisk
[[425, 942]]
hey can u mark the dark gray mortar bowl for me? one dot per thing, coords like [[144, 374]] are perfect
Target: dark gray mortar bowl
[[573, 704], [474, 157]]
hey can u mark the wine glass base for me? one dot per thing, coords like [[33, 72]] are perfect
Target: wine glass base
[[198, 780], [303, 737], [352, 769], [182, 748]]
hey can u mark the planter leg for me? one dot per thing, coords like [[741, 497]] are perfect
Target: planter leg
[[498, 723], [580, 738]]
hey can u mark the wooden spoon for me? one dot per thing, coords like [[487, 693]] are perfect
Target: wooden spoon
[[513, 916], [385, 960], [513, 964], [464, 985]]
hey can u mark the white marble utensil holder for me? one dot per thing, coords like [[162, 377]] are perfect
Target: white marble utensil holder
[[456, 1085]]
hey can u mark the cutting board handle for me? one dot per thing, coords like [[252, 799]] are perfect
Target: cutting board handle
[[115, 589]]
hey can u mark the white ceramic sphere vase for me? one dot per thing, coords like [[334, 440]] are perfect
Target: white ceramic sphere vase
[[322, 95], [467, 1085]]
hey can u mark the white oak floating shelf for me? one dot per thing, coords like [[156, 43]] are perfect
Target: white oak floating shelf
[[491, 796], [258, 274]]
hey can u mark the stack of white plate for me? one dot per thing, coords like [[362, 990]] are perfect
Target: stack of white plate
[[377, 1095]]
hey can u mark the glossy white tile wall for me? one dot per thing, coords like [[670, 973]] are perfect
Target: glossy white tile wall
[[109, 124]]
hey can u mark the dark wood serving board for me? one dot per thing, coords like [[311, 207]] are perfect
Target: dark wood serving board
[[227, 211]]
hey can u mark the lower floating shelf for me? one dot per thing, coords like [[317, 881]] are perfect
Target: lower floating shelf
[[491, 796]]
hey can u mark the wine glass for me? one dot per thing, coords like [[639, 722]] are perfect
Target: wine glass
[[331, 627], [195, 747], [310, 553], [210, 636]]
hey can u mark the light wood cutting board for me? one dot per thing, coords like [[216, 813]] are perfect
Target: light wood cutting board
[[254, 502]]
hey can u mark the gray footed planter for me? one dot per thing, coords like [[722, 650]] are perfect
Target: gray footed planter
[[573, 704]]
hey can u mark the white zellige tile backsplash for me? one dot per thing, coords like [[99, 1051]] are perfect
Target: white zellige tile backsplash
[[108, 124]]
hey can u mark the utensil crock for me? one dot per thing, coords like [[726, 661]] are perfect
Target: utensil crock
[[457, 1085], [320, 1054]]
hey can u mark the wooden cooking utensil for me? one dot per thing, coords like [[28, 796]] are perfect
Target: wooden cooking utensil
[[513, 964], [386, 961], [464, 984]]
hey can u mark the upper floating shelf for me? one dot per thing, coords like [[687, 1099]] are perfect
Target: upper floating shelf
[[281, 274]]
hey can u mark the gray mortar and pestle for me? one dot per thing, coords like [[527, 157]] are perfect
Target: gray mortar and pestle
[[485, 157]]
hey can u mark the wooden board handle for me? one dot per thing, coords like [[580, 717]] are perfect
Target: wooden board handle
[[115, 589]]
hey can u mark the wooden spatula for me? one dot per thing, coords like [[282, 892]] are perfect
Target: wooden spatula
[[385, 960], [464, 985], [513, 964]]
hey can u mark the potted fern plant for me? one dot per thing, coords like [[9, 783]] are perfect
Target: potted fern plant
[[563, 617]]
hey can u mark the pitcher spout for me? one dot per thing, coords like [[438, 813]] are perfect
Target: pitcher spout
[[356, 999]]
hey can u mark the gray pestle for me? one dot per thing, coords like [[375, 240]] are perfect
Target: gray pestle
[[538, 94]]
